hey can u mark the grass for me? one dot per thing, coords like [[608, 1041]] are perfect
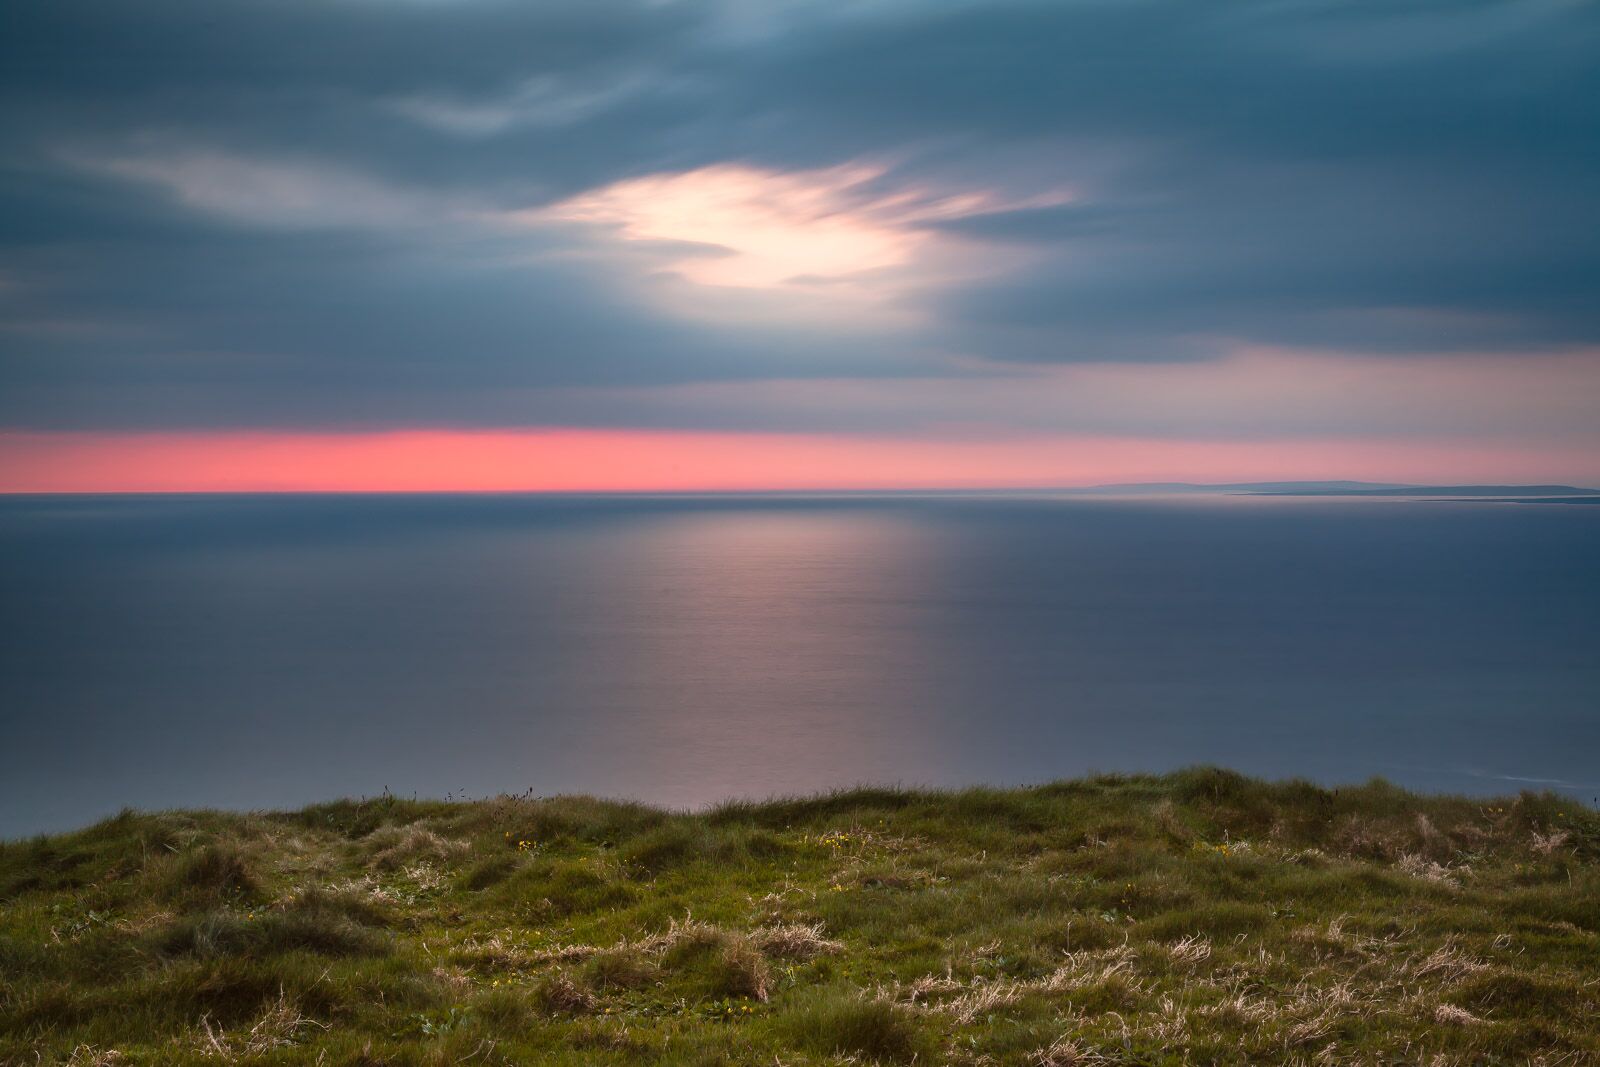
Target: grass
[[1200, 917]]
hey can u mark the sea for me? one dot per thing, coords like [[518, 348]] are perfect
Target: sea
[[270, 651]]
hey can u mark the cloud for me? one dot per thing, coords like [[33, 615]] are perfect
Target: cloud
[[543, 100], [1267, 395], [302, 211], [266, 192]]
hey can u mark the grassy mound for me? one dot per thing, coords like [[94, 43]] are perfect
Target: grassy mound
[[1200, 917]]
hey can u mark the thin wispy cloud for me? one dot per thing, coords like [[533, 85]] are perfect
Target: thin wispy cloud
[[268, 192]]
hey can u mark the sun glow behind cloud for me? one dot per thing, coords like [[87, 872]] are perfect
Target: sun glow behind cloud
[[756, 228]]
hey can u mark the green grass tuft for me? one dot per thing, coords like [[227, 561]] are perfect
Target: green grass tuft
[[841, 1022], [710, 963], [209, 874]]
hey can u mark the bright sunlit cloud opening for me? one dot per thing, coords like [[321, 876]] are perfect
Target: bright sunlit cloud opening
[[755, 228]]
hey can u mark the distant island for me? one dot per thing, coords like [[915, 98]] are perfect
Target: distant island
[[1199, 917], [1351, 488], [1237, 487], [1499, 491]]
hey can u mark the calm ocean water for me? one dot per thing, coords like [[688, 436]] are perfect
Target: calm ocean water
[[271, 651]]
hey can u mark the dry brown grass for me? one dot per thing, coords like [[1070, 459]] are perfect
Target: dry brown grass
[[281, 1025], [561, 994], [795, 941], [393, 847]]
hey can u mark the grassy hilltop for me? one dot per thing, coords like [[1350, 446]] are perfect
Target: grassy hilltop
[[1199, 917]]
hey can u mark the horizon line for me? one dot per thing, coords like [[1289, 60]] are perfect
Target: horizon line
[[1357, 487]]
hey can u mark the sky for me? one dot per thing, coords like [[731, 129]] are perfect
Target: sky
[[775, 244]]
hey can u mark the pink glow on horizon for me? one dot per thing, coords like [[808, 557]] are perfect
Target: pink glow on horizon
[[576, 460]]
